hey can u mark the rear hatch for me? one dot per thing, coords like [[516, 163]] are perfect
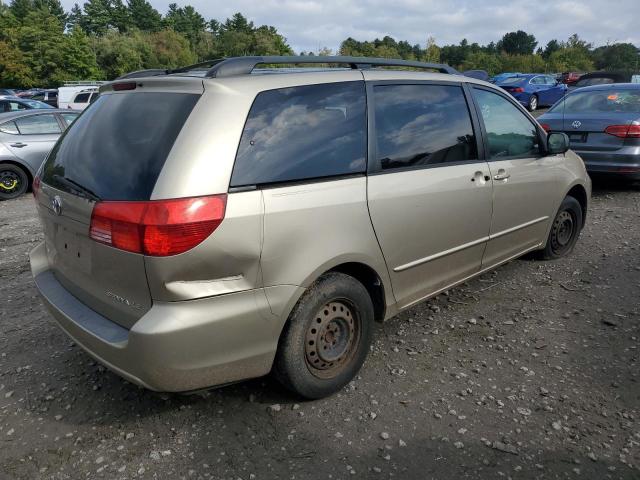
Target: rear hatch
[[114, 151]]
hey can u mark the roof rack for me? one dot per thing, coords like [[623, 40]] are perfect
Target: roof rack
[[245, 65], [227, 67]]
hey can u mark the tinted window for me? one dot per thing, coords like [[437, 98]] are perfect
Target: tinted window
[[118, 146], [594, 81], [537, 81], [38, 124], [82, 98], [422, 125], [511, 80], [601, 101], [303, 132], [509, 132]]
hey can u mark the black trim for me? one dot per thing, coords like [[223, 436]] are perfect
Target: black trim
[[373, 167], [293, 183]]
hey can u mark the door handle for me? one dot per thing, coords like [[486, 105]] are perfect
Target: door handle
[[501, 175], [18, 145]]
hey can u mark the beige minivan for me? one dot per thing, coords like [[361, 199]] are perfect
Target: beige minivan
[[230, 219]]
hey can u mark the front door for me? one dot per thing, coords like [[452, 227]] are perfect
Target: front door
[[429, 196], [525, 182], [34, 138]]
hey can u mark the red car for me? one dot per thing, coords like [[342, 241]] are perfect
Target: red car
[[570, 78]]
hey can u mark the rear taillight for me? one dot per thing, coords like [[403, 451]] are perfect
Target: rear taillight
[[623, 131], [35, 186], [157, 228], [518, 90], [546, 127]]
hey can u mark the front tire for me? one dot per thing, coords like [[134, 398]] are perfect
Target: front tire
[[532, 106], [326, 338], [565, 230], [14, 181]]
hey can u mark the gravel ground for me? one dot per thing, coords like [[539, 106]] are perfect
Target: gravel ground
[[530, 371]]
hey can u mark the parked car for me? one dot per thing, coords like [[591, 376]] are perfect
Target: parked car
[[534, 90], [336, 199], [7, 92], [478, 74], [602, 78], [569, 78], [12, 104], [84, 98], [26, 137], [67, 93], [49, 96], [503, 76], [603, 125]]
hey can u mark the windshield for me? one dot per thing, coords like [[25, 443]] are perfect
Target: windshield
[[36, 104], [600, 101], [118, 146], [587, 82]]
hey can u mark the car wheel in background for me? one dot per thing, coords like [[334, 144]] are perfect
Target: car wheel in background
[[565, 230], [13, 181], [533, 103], [326, 338]]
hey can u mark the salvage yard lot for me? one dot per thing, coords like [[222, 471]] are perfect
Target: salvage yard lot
[[531, 371]]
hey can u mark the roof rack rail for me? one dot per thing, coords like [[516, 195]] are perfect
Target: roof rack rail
[[244, 65], [154, 72]]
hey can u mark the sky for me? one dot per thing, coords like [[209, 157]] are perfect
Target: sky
[[312, 24]]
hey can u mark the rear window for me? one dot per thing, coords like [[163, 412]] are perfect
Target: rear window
[[305, 132], [511, 80], [600, 101], [118, 146], [82, 98], [587, 82]]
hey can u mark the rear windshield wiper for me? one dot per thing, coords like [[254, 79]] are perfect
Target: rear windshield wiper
[[81, 190]]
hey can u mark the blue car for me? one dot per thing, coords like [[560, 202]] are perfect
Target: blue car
[[603, 125], [534, 90]]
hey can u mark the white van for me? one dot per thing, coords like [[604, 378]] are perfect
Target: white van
[[67, 93], [82, 99]]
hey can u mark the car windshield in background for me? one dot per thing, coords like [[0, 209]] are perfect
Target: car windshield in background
[[511, 80], [600, 101], [118, 146], [587, 82]]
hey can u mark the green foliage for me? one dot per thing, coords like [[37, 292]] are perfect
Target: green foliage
[[517, 43], [42, 45]]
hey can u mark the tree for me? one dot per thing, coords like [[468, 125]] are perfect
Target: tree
[[78, 59], [21, 8], [431, 51], [517, 43], [14, 71], [619, 56], [97, 17], [552, 46], [120, 16], [144, 16], [169, 49], [74, 19]]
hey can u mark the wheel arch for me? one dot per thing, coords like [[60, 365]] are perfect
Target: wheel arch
[[579, 192]]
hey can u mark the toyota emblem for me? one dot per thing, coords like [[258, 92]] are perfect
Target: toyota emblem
[[576, 124], [56, 205]]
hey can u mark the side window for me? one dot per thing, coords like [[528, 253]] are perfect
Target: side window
[[53, 95], [38, 125], [69, 117], [9, 127], [15, 106], [537, 81], [304, 132], [419, 125], [509, 132], [40, 97], [82, 98]]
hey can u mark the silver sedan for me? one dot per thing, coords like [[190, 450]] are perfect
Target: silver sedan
[[26, 137]]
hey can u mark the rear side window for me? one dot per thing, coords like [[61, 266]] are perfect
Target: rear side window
[[420, 125], [305, 132], [118, 146], [82, 98], [38, 125]]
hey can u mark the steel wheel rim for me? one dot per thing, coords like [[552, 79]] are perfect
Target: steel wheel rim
[[331, 339], [10, 182], [563, 230]]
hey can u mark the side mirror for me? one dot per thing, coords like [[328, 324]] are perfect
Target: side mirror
[[557, 142]]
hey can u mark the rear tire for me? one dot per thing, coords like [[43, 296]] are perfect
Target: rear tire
[[565, 230], [326, 338], [532, 106], [14, 181]]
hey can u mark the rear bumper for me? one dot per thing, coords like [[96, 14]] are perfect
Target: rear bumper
[[624, 162], [175, 346]]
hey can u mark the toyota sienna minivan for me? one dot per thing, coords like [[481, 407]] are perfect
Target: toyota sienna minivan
[[230, 219]]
